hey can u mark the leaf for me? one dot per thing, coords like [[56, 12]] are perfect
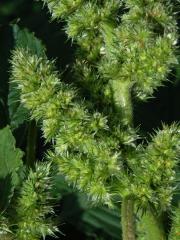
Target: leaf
[[106, 220], [96, 221], [25, 39], [17, 113], [10, 163], [61, 187], [10, 157]]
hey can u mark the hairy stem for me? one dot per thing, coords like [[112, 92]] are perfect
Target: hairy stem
[[31, 144], [123, 101], [128, 219]]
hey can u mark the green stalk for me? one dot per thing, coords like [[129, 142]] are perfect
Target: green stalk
[[31, 144], [123, 102], [153, 227], [128, 219]]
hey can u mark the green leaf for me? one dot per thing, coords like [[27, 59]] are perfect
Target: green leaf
[[25, 39], [61, 187], [97, 222], [17, 113], [10, 163], [105, 220], [10, 156]]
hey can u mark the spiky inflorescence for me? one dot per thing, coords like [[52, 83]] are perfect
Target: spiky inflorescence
[[141, 50], [127, 53], [114, 61], [160, 162], [154, 175], [83, 150], [34, 205], [31, 216]]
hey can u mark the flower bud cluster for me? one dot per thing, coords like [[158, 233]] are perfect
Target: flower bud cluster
[[142, 49], [139, 49], [157, 175], [84, 151], [34, 205]]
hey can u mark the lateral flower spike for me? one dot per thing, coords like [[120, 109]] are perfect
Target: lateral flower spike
[[34, 205], [82, 155]]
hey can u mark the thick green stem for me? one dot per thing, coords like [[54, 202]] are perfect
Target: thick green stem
[[128, 219], [31, 144], [123, 101]]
